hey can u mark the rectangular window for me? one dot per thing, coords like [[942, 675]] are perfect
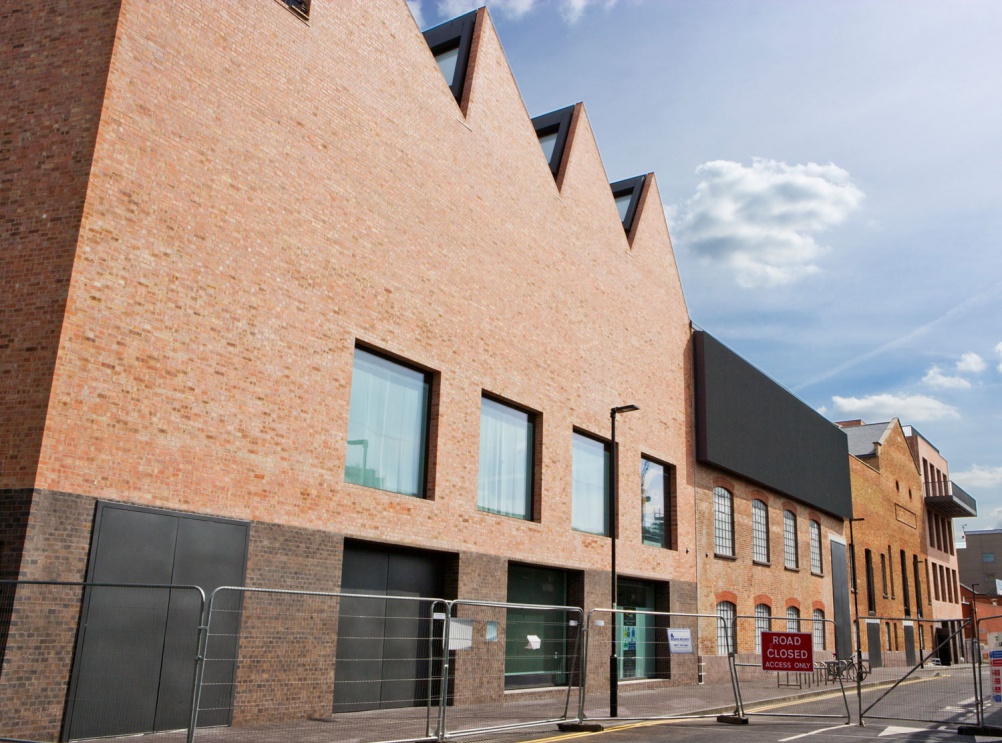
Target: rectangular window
[[760, 532], [790, 556], [871, 595], [723, 523], [590, 486], [506, 467], [818, 629], [387, 425], [762, 616], [987, 557], [656, 494], [816, 565], [883, 573], [792, 619]]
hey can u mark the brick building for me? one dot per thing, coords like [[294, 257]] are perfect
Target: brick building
[[908, 593], [307, 299]]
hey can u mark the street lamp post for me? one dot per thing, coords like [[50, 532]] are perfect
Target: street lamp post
[[975, 637], [613, 511], [859, 628]]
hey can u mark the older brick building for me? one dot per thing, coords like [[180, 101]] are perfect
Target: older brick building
[[908, 594], [282, 303]]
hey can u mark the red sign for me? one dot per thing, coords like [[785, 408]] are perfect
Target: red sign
[[996, 662], [787, 651]]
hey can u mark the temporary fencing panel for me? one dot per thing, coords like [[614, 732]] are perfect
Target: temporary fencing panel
[[670, 665], [809, 680], [96, 659], [510, 665], [987, 653], [939, 687], [323, 666]]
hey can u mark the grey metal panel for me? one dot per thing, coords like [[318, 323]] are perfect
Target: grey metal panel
[[209, 554], [117, 672], [873, 640], [840, 601], [382, 646], [910, 658], [135, 656], [749, 425]]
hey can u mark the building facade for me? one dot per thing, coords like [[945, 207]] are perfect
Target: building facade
[[298, 296]]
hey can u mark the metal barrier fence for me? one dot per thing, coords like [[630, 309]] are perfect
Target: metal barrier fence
[[510, 666], [988, 630], [83, 660], [820, 691], [671, 665], [931, 683], [323, 666]]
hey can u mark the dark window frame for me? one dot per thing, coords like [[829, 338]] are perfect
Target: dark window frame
[[670, 506], [430, 423], [632, 187], [610, 453], [536, 484], [559, 123], [454, 34]]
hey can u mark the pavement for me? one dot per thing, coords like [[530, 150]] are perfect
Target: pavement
[[523, 716]]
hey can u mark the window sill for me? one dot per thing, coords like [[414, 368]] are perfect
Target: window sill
[[819, 575], [762, 564], [792, 570], [725, 557]]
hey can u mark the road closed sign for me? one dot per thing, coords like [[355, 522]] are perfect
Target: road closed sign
[[787, 651]]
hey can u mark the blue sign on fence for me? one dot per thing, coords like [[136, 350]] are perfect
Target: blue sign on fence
[[995, 654], [997, 698]]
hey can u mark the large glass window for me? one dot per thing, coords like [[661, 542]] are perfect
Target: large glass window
[[726, 637], [536, 639], [762, 613], [506, 443], [790, 557], [590, 487], [760, 531], [387, 426], [816, 566], [723, 522], [655, 492]]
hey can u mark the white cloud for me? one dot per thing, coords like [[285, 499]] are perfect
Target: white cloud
[[759, 221], [571, 10], [979, 477], [823, 410], [971, 362], [909, 408], [935, 378], [415, 6]]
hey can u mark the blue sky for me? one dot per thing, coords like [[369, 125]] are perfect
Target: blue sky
[[831, 172]]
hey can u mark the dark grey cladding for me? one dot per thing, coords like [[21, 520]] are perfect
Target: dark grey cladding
[[750, 426]]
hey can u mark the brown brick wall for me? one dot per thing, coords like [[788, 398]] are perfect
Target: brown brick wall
[[744, 582], [246, 226], [53, 69], [43, 619]]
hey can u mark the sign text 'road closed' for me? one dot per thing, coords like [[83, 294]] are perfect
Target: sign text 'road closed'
[[787, 651]]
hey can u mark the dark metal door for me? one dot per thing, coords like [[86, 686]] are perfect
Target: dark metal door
[[873, 640], [136, 647], [910, 658], [840, 601], [382, 646]]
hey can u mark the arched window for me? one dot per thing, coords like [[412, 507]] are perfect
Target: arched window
[[726, 636], [723, 522], [762, 614], [790, 540], [793, 619], [816, 566], [760, 531], [818, 629]]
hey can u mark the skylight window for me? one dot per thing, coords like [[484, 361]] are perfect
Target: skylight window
[[450, 44], [552, 130], [627, 195]]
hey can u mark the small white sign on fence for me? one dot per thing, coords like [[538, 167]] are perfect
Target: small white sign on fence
[[680, 641], [460, 634]]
